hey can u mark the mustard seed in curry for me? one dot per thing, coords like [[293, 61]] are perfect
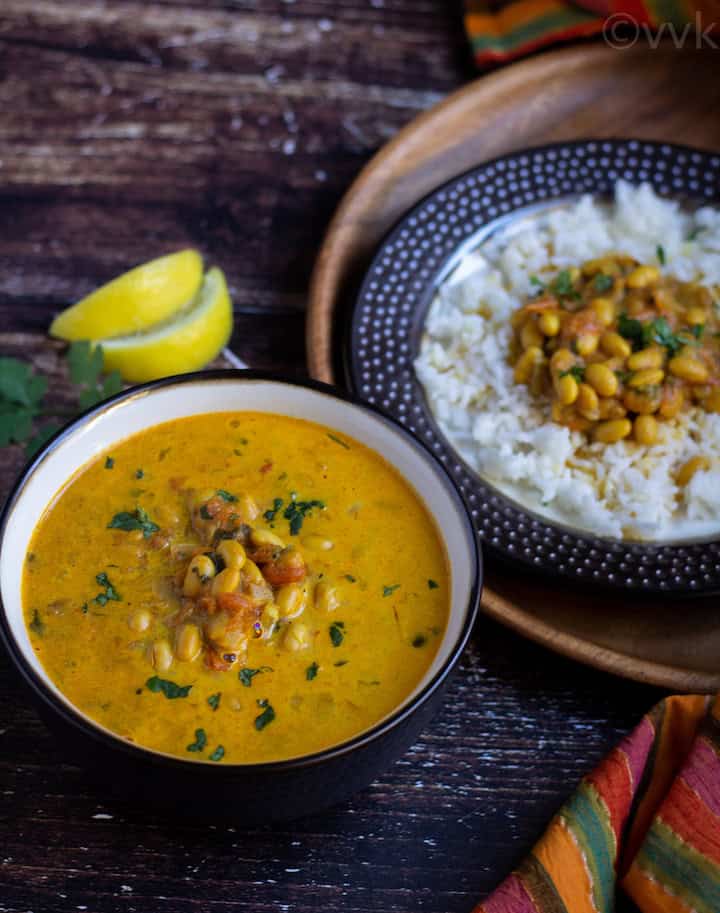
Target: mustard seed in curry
[[236, 588], [619, 347]]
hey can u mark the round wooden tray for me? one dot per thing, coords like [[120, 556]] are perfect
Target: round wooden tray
[[645, 93]]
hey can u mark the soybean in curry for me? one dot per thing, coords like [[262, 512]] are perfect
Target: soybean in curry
[[619, 347]]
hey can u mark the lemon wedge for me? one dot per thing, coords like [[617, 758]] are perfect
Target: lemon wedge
[[185, 342], [134, 301]]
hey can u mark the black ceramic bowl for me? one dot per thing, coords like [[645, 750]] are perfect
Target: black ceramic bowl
[[255, 792], [423, 249]]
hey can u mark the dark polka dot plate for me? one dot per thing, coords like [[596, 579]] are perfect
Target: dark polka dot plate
[[384, 339]]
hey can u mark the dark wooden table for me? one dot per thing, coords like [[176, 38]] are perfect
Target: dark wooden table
[[131, 128]]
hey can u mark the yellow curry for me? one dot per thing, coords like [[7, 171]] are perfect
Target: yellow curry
[[236, 587]]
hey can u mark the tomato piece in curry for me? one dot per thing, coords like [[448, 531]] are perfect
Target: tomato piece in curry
[[236, 587]]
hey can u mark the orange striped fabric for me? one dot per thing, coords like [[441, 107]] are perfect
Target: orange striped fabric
[[503, 30], [646, 821]]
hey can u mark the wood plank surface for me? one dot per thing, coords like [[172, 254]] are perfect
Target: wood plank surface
[[128, 129]]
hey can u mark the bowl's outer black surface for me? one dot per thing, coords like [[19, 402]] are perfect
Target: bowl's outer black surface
[[385, 329], [252, 793]]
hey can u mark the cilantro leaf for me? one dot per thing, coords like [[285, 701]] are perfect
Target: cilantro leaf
[[563, 285], [419, 640], [15, 424], [631, 329], [110, 592], [246, 675], [19, 384], [336, 631], [137, 519], [659, 331], [267, 716], [164, 686], [433, 584], [109, 462], [85, 362], [22, 392], [389, 590], [660, 251], [37, 624], [214, 700], [225, 495], [311, 671], [603, 283], [576, 371], [218, 754], [200, 741], [271, 513], [297, 511]]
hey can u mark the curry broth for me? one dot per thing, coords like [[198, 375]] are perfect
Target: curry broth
[[85, 584]]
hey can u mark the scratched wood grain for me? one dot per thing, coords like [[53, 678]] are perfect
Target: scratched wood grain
[[128, 129]]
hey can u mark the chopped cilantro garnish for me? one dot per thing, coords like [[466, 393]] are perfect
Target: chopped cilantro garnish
[[84, 608], [603, 283], [169, 689], [631, 329], [110, 592], [200, 741], [563, 285], [576, 371], [205, 513], [351, 578], [389, 590], [337, 634], [433, 585], [37, 624], [246, 675], [218, 754], [139, 474], [109, 462], [297, 511], [311, 671], [659, 331], [660, 251], [419, 640], [697, 330], [226, 496], [137, 519], [271, 513], [267, 716], [214, 700], [337, 440], [534, 280]]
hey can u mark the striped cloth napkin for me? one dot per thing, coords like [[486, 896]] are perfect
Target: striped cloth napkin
[[501, 30], [646, 820]]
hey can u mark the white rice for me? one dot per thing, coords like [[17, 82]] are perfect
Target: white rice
[[623, 490]]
